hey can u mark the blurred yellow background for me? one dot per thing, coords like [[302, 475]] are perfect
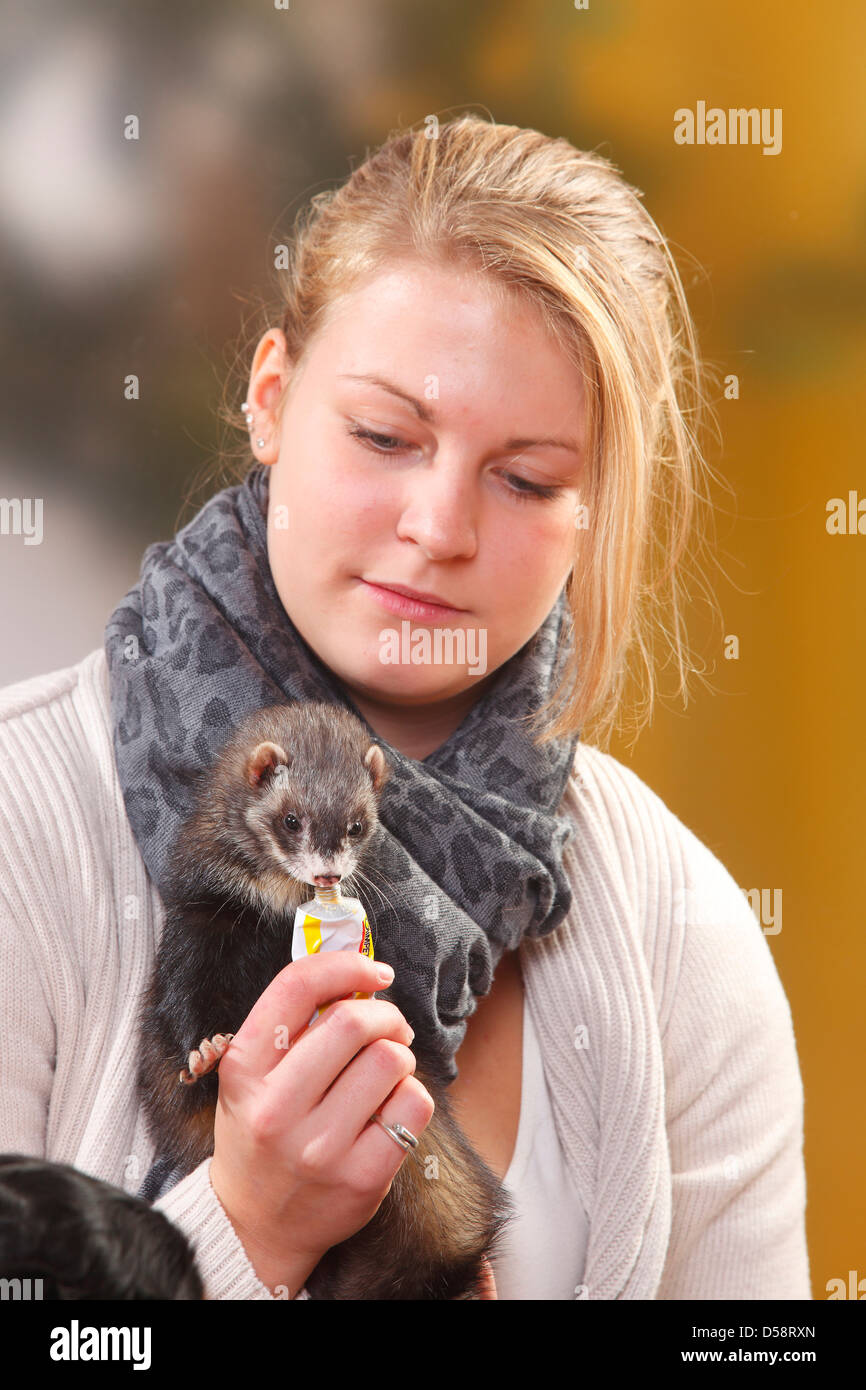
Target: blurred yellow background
[[148, 257]]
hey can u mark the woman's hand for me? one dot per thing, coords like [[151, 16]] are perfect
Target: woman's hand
[[297, 1165]]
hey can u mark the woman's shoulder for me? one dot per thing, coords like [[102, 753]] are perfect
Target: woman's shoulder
[[689, 916], [56, 757], [63, 835], [655, 849], [656, 906], [35, 702]]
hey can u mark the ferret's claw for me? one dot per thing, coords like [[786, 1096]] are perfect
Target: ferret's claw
[[205, 1057]]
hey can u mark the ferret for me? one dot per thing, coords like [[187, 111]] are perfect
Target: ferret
[[290, 801]]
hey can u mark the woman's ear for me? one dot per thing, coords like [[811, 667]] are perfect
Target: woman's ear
[[374, 761]]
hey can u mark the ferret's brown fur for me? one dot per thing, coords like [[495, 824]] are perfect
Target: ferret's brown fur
[[237, 874]]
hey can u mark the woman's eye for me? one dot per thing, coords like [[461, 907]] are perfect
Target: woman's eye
[[520, 488], [378, 442], [524, 489], [355, 829], [291, 822]]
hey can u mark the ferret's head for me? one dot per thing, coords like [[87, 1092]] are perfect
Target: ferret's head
[[308, 778]]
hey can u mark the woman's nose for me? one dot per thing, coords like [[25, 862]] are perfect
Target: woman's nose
[[439, 512]]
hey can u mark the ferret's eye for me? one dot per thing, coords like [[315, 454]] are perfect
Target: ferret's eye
[[291, 822], [355, 829]]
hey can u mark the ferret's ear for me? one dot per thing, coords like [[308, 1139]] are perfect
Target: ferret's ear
[[374, 761], [264, 761]]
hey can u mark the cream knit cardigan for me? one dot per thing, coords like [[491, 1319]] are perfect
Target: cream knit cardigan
[[665, 1033]]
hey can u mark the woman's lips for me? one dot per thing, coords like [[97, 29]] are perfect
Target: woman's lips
[[405, 607]]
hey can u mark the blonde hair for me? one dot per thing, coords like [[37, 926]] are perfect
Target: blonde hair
[[561, 228]]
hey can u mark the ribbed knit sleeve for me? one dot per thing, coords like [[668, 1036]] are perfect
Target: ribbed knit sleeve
[[79, 922], [733, 1094], [194, 1206], [38, 975], [27, 1059], [734, 1105]]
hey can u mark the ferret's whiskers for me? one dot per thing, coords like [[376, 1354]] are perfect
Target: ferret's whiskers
[[382, 894], [365, 878], [350, 880], [370, 877]]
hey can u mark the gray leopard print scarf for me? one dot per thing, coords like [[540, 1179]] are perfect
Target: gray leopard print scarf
[[469, 846]]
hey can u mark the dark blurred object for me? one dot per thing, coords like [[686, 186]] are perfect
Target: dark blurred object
[[85, 1239]]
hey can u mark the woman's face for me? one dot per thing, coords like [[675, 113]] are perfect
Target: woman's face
[[456, 494]]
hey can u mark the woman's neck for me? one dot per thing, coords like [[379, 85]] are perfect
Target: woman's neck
[[416, 731]]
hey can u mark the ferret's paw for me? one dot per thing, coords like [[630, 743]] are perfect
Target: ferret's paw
[[205, 1058]]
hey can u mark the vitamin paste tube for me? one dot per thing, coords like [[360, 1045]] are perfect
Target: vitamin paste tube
[[330, 922]]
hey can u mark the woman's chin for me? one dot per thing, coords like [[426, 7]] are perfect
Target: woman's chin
[[403, 683]]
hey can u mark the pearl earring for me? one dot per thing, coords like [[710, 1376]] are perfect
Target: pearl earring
[[248, 415]]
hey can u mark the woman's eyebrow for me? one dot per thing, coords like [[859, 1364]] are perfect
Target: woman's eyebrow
[[424, 413]]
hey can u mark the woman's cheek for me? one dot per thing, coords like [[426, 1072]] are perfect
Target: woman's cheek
[[354, 492], [525, 548], [533, 564], [556, 538]]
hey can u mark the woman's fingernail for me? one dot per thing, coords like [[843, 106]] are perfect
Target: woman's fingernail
[[384, 974]]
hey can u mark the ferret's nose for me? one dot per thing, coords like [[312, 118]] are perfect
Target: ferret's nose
[[326, 879]]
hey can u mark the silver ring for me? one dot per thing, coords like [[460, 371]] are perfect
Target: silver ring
[[399, 1133]]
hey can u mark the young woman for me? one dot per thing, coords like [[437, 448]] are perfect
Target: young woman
[[470, 425]]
